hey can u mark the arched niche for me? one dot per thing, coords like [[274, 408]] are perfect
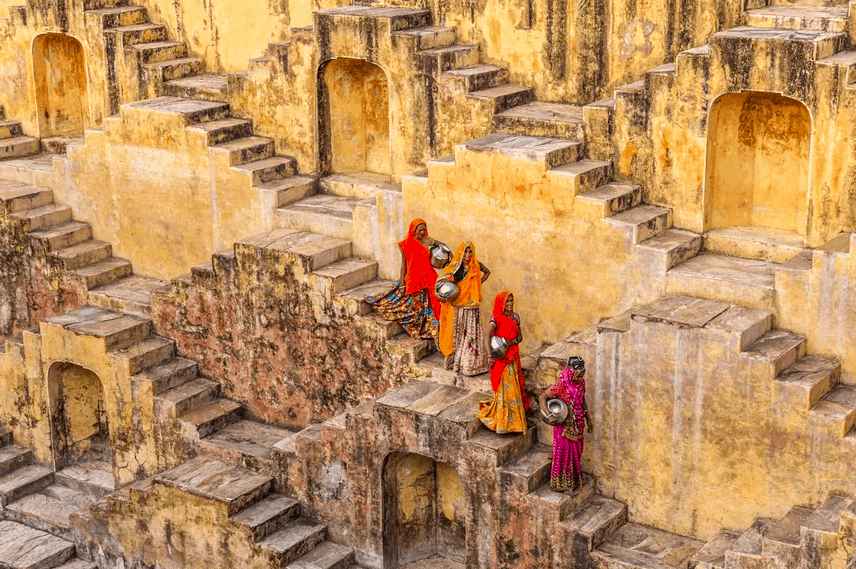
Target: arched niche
[[59, 71], [425, 506], [80, 429], [759, 147], [355, 117]]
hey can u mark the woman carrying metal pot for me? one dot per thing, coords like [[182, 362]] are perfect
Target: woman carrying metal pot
[[566, 472], [461, 336], [411, 301], [506, 412]]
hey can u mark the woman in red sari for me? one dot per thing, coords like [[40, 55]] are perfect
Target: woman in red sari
[[411, 301], [506, 412]]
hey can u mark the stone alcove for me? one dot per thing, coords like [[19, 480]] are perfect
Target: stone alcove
[[59, 73]]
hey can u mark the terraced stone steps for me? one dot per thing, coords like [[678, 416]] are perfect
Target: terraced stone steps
[[22, 547], [637, 546], [818, 18], [538, 118]]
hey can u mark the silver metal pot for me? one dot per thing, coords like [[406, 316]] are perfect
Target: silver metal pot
[[556, 408], [441, 255], [446, 290], [498, 347]]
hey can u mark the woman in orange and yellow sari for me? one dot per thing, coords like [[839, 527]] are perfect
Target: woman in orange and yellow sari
[[411, 301], [461, 336], [506, 412]]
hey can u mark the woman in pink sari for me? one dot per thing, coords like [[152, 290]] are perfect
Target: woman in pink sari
[[567, 473]]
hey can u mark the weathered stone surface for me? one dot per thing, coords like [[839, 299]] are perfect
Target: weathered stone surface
[[25, 548]]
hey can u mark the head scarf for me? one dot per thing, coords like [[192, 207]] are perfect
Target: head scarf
[[470, 287], [411, 231], [499, 304], [420, 274]]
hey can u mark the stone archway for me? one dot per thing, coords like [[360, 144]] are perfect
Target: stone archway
[[355, 118], [425, 507], [759, 146], [80, 430], [59, 71]]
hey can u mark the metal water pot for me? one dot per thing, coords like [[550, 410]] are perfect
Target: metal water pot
[[441, 255], [446, 290], [557, 408], [498, 347]]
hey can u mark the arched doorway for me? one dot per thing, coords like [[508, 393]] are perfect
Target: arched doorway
[[425, 509], [759, 146], [59, 70], [356, 125], [79, 425]]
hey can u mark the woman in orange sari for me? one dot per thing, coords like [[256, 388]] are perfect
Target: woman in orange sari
[[411, 301], [506, 412], [461, 336]]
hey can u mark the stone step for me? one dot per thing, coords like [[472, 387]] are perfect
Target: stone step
[[550, 152], [248, 149], [313, 251], [43, 217], [452, 56], [16, 197], [321, 213], [428, 37], [562, 504], [140, 33], [213, 416], [61, 236], [23, 481], [583, 176], [103, 272], [168, 374], [235, 487], [477, 77], [730, 279], [290, 190], [23, 547], [120, 16], [712, 554], [205, 87], [529, 470], [395, 19], [539, 118], [822, 527], [505, 96], [295, 540], [809, 379], [354, 299], [347, 273], [506, 446], [190, 394], [844, 63], [360, 185], [779, 348], [837, 410], [759, 243], [327, 555], [612, 198], [115, 328], [818, 18], [747, 550], [191, 111], [245, 442], [10, 129], [268, 516], [145, 353], [781, 541], [269, 169], [643, 221], [132, 294], [82, 254], [93, 477], [13, 456], [389, 328], [60, 144], [178, 68], [813, 43], [158, 51], [223, 130], [78, 564], [597, 520], [18, 146], [49, 510], [674, 245], [635, 546]]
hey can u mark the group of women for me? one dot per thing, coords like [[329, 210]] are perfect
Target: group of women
[[456, 326]]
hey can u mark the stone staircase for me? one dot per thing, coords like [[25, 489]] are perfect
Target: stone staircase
[[13, 142], [35, 506], [275, 526]]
